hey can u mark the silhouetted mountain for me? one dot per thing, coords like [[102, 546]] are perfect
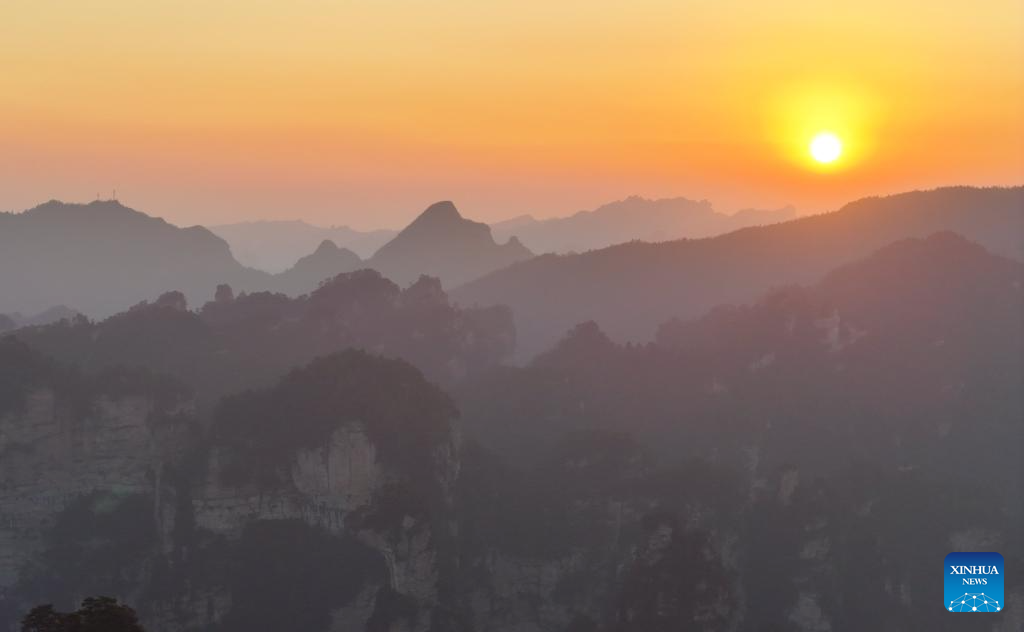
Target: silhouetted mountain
[[506, 227], [634, 218], [442, 243], [234, 343], [631, 288], [843, 425], [275, 246], [907, 342], [940, 284], [102, 257], [760, 217], [54, 314], [326, 262]]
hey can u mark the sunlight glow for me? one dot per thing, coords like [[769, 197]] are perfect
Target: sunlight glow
[[826, 147], [825, 126]]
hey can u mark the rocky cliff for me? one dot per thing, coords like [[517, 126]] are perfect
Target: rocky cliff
[[121, 492]]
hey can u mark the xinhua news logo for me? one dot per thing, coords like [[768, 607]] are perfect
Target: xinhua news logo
[[974, 582]]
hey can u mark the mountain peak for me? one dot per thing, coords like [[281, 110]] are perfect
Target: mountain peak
[[95, 208], [329, 252], [326, 247], [443, 211], [109, 203], [326, 262], [444, 244]]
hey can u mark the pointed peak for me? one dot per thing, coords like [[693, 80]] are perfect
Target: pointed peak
[[514, 244], [583, 345], [326, 246], [440, 211]]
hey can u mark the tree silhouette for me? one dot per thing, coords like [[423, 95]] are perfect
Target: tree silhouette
[[96, 614]]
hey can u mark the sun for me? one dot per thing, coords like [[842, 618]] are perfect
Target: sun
[[826, 147]]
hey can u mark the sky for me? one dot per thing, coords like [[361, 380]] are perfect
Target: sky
[[363, 112]]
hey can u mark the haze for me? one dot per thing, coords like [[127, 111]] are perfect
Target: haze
[[451, 316], [366, 112]]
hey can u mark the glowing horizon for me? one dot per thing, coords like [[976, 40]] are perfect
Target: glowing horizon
[[364, 113]]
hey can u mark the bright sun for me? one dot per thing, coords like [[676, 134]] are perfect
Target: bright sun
[[826, 147]]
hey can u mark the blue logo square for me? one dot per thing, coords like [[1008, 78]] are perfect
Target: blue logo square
[[974, 582]]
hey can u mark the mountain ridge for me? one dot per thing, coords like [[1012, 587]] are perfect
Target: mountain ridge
[[440, 242], [631, 219], [629, 289], [103, 257], [276, 245]]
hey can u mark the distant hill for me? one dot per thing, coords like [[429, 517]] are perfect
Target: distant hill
[[634, 218], [920, 293], [920, 340], [443, 244], [275, 246], [631, 288], [324, 263], [102, 257], [438, 243], [238, 341], [54, 314], [876, 411]]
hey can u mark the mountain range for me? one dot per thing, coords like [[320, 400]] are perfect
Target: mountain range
[[275, 246], [862, 335], [631, 288], [102, 257], [632, 219], [237, 341], [773, 465]]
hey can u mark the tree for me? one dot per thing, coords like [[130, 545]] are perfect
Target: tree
[[46, 619], [96, 614], [224, 294]]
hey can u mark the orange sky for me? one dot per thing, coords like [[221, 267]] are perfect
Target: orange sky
[[364, 112]]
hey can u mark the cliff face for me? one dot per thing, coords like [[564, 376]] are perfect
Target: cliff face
[[112, 486], [85, 477], [55, 459], [338, 488], [51, 456], [640, 575], [324, 485], [781, 551], [116, 494]]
